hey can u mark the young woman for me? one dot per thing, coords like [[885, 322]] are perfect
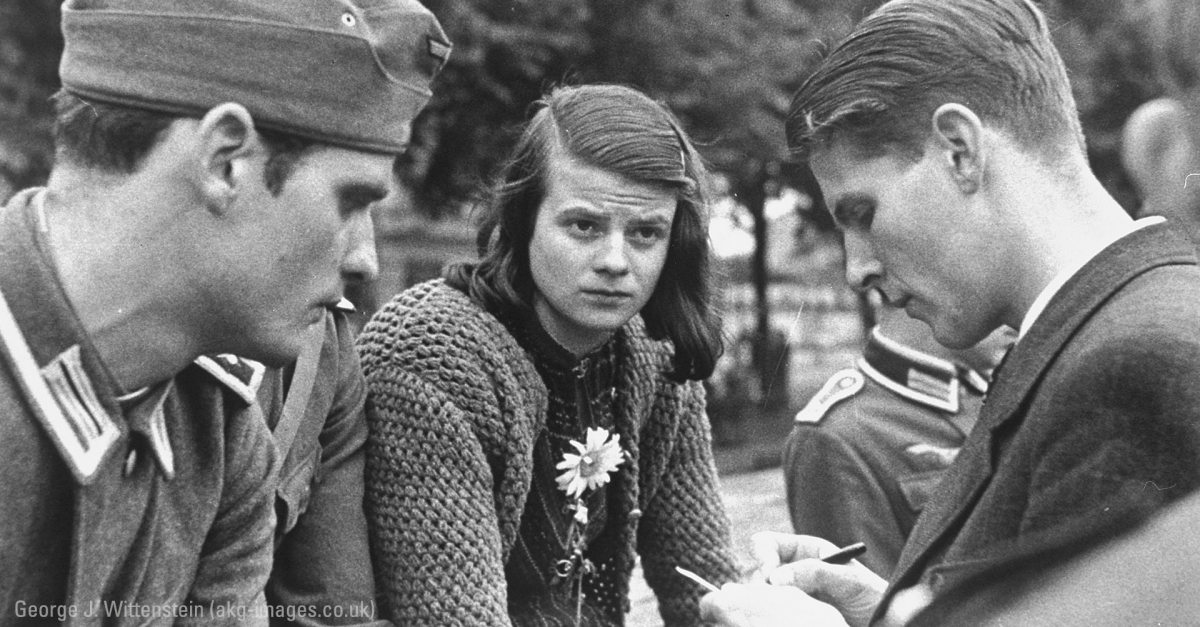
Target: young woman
[[537, 420]]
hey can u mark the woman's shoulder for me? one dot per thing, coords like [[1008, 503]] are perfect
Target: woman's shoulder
[[641, 349], [433, 336], [432, 305], [433, 314], [651, 359]]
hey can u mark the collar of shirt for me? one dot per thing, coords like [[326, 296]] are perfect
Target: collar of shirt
[[1064, 275]]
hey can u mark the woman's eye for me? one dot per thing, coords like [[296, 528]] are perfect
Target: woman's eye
[[586, 227], [648, 233]]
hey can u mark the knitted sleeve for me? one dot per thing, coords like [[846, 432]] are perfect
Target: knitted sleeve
[[444, 484], [685, 522], [434, 536]]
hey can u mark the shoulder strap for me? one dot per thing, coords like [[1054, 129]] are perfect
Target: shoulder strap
[[839, 387], [296, 400]]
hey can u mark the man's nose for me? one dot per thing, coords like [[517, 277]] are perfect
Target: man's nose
[[863, 270], [361, 263]]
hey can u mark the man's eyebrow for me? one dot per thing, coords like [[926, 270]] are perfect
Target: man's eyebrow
[[362, 193]]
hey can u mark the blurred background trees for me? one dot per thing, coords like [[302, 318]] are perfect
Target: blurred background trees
[[726, 67], [30, 44]]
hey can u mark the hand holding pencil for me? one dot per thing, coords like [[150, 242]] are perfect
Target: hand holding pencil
[[820, 568]]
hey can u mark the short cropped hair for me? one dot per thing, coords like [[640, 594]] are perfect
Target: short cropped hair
[[879, 87], [115, 139], [624, 132]]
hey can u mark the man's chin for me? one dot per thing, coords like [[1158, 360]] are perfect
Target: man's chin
[[951, 339], [281, 352]]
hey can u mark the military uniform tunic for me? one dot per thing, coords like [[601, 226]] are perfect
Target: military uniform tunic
[[322, 573], [865, 453], [151, 511]]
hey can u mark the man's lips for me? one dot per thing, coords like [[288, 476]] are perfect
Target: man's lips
[[894, 302], [329, 300]]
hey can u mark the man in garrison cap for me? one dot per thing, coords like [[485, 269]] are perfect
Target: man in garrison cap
[[216, 163], [868, 449]]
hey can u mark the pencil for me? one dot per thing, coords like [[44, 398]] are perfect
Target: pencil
[[845, 554], [697, 578]]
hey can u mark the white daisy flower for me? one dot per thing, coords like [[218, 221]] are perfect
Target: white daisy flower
[[590, 469]]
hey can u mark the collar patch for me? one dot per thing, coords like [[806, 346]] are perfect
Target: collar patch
[[241, 375], [914, 375], [78, 424]]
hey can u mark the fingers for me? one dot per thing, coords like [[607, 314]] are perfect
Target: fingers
[[739, 605], [851, 588], [772, 549]]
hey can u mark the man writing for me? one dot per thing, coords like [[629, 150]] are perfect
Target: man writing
[[216, 162], [946, 142], [1149, 576]]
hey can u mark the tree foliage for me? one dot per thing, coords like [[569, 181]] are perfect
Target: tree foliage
[[1111, 73], [30, 44], [506, 53], [726, 67]]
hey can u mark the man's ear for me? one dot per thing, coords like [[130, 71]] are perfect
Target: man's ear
[[225, 140], [958, 134], [1156, 145]]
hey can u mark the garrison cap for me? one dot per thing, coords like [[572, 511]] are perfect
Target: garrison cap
[[352, 73]]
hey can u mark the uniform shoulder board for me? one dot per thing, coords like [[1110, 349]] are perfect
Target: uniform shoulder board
[[239, 374], [839, 387], [345, 305]]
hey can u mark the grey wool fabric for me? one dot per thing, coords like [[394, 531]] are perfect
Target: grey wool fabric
[[1093, 424], [352, 73], [454, 408]]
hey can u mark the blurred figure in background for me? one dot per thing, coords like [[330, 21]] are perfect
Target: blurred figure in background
[[1161, 140], [869, 448]]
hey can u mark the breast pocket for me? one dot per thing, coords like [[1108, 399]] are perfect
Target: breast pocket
[[918, 488], [295, 489]]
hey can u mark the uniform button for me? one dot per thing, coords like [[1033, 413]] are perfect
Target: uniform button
[[130, 462]]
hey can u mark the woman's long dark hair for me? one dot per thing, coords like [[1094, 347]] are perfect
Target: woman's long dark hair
[[622, 131]]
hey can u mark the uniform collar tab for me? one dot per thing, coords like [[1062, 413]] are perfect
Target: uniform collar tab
[[147, 416], [916, 375]]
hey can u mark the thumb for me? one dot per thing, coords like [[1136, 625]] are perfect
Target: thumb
[[852, 588], [764, 546]]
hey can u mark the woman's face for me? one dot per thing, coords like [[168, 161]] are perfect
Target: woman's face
[[597, 251]]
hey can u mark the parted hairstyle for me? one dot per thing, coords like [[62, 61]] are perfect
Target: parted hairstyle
[[879, 87], [624, 132], [116, 139]]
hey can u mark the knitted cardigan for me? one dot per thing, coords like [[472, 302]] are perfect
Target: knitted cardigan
[[454, 407]]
